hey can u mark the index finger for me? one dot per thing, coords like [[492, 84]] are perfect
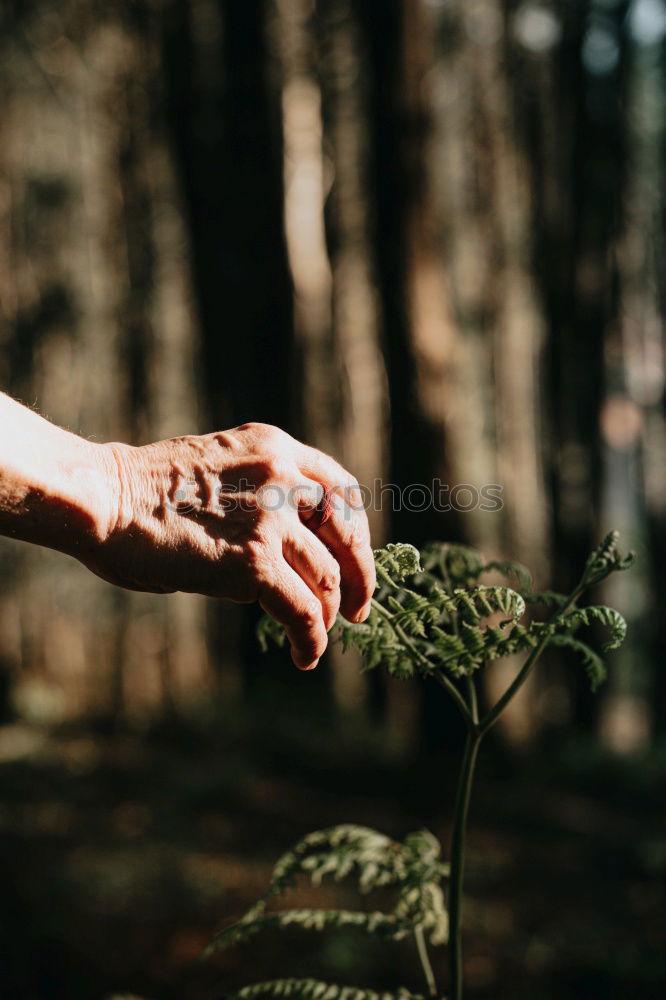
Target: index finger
[[345, 532]]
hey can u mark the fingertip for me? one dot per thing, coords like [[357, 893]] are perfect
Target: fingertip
[[364, 613], [330, 621], [356, 609], [303, 662], [310, 666]]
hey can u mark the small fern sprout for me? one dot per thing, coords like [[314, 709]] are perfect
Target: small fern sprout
[[437, 614], [396, 563], [605, 560]]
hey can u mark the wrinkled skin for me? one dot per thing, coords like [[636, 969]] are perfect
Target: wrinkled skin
[[234, 515]]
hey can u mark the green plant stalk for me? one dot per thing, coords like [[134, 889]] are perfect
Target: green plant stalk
[[475, 735], [425, 961], [461, 811]]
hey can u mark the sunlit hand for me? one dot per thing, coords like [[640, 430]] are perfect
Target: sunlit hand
[[239, 514]]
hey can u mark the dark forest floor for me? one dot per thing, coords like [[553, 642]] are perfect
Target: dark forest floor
[[122, 854]]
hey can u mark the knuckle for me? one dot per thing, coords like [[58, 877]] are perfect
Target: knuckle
[[311, 616], [354, 497], [224, 439], [358, 532], [275, 467], [263, 432], [329, 581], [251, 426]]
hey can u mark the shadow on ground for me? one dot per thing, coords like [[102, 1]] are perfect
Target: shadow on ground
[[122, 853]]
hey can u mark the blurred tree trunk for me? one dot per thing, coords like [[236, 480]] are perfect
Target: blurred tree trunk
[[326, 229], [98, 333], [417, 334], [578, 133], [223, 103], [225, 114]]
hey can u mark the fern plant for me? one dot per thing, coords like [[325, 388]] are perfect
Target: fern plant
[[431, 616]]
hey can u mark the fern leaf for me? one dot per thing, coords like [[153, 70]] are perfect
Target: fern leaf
[[609, 617], [605, 559], [480, 602], [313, 989], [378, 861], [396, 562], [594, 665], [382, 924], [338, 851]]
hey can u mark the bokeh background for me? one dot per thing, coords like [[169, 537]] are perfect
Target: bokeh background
[[428, 237]]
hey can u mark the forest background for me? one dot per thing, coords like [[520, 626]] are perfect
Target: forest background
[[428, 237]]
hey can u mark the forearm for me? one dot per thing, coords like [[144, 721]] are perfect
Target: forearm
[[56, 489]]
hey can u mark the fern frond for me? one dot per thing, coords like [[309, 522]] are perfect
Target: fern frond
[[376, 641], [396, 562], [382, 924], [377, 861], [409, 613], [500, 644], [313, 989], [594, 665], [605, 560], [463, 651], [609, 617], [423, 906], [423, 846], [347, 847], [460, 654], [481, 602]]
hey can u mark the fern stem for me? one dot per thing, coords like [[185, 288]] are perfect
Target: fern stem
[[473, 700], [425, 662], [458, 863], [425, 961]]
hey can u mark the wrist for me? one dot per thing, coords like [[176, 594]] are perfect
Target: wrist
[[58, 490], [133, 493], [93, 488], [73, 502]]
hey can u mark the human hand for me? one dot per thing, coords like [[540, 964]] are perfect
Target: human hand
[[234, 514]]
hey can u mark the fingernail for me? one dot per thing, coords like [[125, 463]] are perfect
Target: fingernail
[[363, 614]]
